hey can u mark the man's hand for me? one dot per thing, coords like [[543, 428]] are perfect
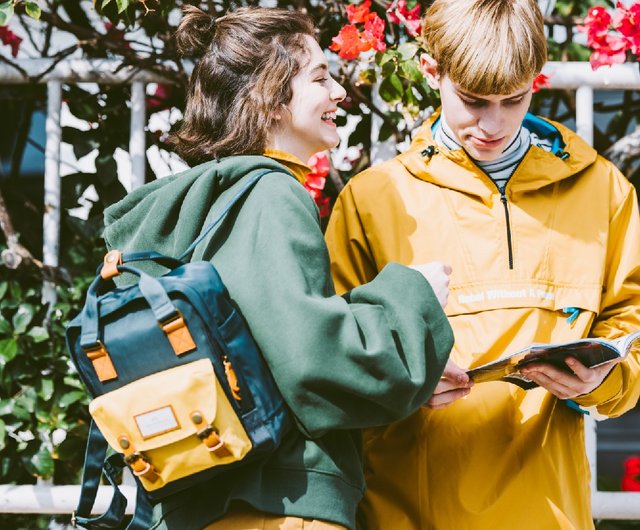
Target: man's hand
[[565, 385], [454, 384]]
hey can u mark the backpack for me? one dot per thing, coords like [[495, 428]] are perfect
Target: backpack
[[180, 390]]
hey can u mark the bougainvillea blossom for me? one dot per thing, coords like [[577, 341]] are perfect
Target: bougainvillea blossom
[[611, 37], [9, 38], [539, 82], [399, 13], [352, 41], [316, 180], [631, 478], [627, 22]]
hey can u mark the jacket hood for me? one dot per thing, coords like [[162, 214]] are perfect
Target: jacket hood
[[147, 218], [456, 170]]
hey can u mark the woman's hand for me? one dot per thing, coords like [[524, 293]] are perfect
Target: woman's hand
[[565, 385], [454, 384], [437, 274]]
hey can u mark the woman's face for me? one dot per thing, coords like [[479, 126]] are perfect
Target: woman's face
[[309, 125]]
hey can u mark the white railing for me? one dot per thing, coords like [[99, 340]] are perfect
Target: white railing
[[48, 499]]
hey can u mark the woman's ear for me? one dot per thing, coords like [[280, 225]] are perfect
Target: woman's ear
[[429, 67]]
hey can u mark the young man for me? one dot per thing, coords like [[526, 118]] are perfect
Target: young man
[[543, 236]]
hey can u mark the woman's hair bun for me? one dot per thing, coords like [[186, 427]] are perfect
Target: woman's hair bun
[[195, 31]]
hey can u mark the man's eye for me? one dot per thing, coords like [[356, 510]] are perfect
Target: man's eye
[[474, 103], [515, 101]]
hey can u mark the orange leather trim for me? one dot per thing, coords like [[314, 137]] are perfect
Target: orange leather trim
[[215, 444], [102, 363], [111, 261], [141, 467], [179, 336]]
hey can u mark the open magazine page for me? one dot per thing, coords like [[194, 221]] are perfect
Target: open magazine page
[[590, 352]]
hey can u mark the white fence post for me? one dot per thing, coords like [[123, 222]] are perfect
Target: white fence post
[[51, 218]]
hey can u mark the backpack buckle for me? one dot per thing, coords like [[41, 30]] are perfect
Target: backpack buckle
[[141, 467]]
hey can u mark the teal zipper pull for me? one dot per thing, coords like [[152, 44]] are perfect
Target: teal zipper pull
[[573, 313]]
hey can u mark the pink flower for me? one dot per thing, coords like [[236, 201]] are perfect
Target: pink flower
[[347, 43], [610, 50], [627, 22], [399, 13], [539, 82], [316, 180]]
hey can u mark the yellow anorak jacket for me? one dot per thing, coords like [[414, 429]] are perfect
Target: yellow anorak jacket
[[564, 233]]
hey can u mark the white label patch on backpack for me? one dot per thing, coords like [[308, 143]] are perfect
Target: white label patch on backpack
[[157, 422]]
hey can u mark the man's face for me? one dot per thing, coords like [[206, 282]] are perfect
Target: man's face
[[483, 125]]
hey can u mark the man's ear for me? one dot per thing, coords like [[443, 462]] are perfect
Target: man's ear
[[429, 67]]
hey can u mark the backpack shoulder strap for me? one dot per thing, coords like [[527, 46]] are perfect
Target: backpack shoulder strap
[[252, 179]]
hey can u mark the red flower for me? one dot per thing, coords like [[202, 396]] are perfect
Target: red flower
[[631, 478], [399, 13], [316, 180], [540, 81], [9, 38], [350, 42], [359, 13], [596, 24], [627, 22], [347, 43], [611, 50]]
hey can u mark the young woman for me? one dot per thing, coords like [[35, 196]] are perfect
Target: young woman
[[261, 96]]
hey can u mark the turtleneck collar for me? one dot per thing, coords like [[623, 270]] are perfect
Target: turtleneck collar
[[299, 169]]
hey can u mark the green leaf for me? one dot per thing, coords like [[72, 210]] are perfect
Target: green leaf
[[407, 50], [384, 57], [391, 89], [6, 12], [410, 70], [122, 5], [3, 289], [22, 318], [5, 327], [8, 350], [38, 334], [105, 3], [71, 397], [389, 68], [3, 434], [33, 10], [46, 389], [42, 463]]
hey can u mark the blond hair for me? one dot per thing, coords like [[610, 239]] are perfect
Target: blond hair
[[486, 46]]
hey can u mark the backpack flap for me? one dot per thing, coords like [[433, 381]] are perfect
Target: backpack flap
[[172, 424]]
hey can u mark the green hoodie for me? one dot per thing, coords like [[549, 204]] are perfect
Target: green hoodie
[[365, 359]]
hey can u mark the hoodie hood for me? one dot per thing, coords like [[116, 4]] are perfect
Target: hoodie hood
[[147, 218], [456, 170]]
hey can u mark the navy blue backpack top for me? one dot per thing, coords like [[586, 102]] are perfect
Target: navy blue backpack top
[[180, 390]]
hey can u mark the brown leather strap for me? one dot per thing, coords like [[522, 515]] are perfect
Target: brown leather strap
[[179, 336], [102, 364], [111, 261]]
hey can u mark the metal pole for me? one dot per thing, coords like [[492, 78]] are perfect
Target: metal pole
[[137, 140], [51, 218]]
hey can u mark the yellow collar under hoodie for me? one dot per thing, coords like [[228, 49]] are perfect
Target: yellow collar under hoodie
[[299, 169]]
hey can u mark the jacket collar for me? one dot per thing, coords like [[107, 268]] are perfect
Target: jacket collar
[[456, 170]]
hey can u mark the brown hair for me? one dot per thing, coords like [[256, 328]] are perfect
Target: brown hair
[[248, 58], [486, 46]]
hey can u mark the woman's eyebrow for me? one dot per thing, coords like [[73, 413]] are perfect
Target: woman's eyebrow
[[319, 67]]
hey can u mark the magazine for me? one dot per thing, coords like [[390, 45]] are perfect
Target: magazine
[[590, 352]]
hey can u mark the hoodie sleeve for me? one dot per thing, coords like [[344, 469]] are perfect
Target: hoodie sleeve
[[620, 306], [362, 360]]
